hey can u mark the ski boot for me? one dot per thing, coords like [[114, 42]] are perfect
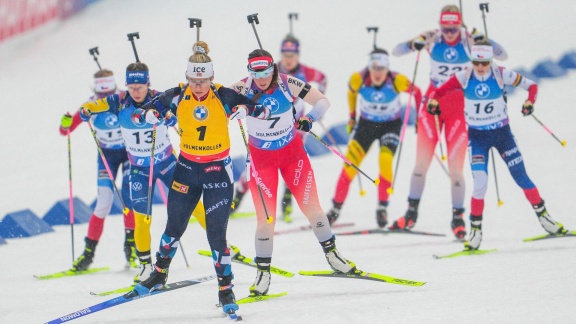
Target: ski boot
[[85, 260], [549, 224], [382, 214], [336, 261], [145, 266], [475, 237], [458, 226], [287, 206], [157, 278], [262, 281], [130, 250], [226, 296], [334, 212], [407, 221]]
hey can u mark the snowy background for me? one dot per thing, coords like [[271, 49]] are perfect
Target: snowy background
[[47, 72]]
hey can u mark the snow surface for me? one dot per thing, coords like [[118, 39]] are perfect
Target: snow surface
[[49, 72]]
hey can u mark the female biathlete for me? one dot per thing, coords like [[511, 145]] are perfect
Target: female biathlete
[[488, 126]]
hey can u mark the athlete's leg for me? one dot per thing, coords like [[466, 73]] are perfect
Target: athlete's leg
[[264, 176]]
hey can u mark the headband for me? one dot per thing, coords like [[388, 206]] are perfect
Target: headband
[[199, 70], [481, 53], [104, 84], [137, 77], [290, 46], [379, 60], [259, 63], [450, 18]]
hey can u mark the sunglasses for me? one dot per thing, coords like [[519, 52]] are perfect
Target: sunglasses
[[198, 82], [476, 63], [262, 74], [450, 30]]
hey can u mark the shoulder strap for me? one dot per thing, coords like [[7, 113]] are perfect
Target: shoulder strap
[[497, 75], [284, 89]]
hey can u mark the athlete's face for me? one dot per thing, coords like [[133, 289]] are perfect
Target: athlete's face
[[481, 68], [263, 78], [378, 74], [289, 61], [199, 87], [450, 33], [138, 92]]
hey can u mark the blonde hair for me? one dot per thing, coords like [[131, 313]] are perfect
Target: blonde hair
[[103, 73], [201, 51], [450, 8]]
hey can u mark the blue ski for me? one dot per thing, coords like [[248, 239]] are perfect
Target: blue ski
[[121, 299]]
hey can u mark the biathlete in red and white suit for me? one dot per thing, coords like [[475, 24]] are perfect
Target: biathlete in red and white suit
[[488, 126], [290, 65], [449, 49], [274, 146]]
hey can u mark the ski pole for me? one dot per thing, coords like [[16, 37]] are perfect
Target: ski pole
[[253, 169], [94, 51], [403, 131], [333, 141], [563, 143], [110, 175], [375, 30], [290, 16], [500, 202], [165, 200], [151, 175], [71, 198], [439, 133], [375, 182], [131, 37], [441, 164]]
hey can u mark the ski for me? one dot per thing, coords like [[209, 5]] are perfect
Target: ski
[[121, 299], [464, 253], [549, 236], [308, 227], [239, 258], [69, 273], [253, 299], [389, 231], [363, 275], [115, 291]]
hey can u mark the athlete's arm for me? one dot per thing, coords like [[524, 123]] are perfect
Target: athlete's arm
[[310, 95]]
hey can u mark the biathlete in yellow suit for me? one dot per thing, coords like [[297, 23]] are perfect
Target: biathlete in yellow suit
[[204, 168], [375, 93]]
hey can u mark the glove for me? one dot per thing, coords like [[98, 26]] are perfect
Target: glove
[[418, 43], [433, 107], [304, 124], [527, 108], [351, 125], [85, 114], [153, 117], [66, 121], [476, 35], [261, 112], [170, 120], [138, 117], [239, 112]]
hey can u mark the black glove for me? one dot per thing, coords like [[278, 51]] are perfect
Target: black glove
[[476, 35], [433, 107], [418, 43], [527, 108], [304, 124]]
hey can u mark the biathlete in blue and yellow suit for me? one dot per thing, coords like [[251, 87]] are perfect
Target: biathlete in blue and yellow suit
[[375, 92], [203, 169], [138, 138]]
